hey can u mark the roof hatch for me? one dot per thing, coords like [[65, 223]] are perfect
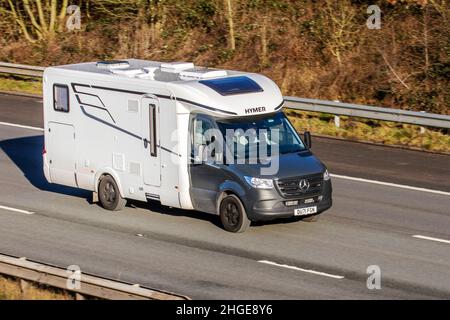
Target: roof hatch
[[232, 85]]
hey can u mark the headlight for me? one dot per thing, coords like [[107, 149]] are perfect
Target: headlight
[[326, 175], [259, 183]]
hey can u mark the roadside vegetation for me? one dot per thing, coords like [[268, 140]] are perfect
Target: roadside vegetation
[[10, 290], [20, 85], [381, 132]]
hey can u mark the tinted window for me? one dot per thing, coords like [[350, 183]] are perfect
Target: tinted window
[[61, 98], [275, 130], [234, 85]]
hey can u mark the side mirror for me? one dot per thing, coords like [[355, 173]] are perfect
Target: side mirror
[[307, 138]]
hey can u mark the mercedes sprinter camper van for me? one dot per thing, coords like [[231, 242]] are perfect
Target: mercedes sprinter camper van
[[189, 137]]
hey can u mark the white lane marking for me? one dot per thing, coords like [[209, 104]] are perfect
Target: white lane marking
[[21, 126], [390, 184], [418, 236], [16, 210], [303, 270]]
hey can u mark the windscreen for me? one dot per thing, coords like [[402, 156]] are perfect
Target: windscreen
[[273, 130]]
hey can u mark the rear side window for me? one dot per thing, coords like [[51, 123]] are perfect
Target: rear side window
[[61, 98]]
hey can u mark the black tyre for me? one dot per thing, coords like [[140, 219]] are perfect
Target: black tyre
[[232, 214], [109, 195], [313, 218]]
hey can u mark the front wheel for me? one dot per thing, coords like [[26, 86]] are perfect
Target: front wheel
[[109, 195], [232, 214]]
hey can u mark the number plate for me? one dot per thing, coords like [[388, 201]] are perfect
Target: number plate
[[305, 211]]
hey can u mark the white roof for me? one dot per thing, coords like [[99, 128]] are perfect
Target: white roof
[[184, 80]]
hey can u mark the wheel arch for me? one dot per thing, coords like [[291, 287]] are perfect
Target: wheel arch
[[108, 171]]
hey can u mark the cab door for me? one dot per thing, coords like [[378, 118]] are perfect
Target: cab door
[[150, 141], [206, 176]]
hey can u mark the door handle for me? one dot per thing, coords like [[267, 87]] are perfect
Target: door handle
[[145, 143]]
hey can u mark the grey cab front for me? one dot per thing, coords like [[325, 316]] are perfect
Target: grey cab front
[[255, 168]]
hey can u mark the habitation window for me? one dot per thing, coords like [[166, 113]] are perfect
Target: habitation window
[[61, 98]]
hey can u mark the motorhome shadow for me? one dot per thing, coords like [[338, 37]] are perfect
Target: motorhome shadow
[[143, 130]]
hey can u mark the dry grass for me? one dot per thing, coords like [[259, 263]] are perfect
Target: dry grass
[[10, 290]]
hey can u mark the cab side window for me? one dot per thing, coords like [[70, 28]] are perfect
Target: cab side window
[[200, 127], [200, 138], [61, 98]]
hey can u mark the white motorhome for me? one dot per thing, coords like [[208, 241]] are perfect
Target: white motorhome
[[131, 129]]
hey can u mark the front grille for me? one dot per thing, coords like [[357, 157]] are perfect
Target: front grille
[[290, 187]]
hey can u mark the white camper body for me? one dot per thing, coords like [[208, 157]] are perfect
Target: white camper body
[[132, 123]]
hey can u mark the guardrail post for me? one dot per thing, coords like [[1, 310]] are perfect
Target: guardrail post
[[24, 285], [368, 112], [337, 121]]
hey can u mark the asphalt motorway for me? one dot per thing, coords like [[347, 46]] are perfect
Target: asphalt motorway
[[403, 232]]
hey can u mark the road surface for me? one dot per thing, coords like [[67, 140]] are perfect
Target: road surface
[[403, 231]]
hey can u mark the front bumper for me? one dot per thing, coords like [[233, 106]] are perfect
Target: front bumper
[[263, 205]]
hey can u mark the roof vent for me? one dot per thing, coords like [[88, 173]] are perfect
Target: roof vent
[[113, 64], [128, 72], [202, 74], [176, 67]]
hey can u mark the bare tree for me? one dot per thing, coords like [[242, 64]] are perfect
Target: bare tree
[[338, 26], [38, 20], [229, 14], [264, 46]]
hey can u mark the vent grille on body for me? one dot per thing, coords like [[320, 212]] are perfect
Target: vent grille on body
[[133, 106], [118, 162]]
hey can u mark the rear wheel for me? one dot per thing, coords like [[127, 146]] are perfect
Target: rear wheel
[[109, 195], [233, 215]]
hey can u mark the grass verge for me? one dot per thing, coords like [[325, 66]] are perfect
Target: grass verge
[[21, 84], [10, 289]]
